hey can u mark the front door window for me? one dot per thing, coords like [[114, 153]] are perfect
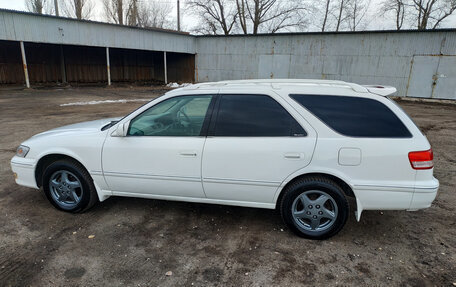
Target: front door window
[[179, 116]]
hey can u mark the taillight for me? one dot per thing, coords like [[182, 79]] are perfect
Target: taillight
[[421, 159]]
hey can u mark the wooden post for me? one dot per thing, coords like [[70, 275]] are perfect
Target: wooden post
[[62, 65], [24, 64], [166, 68], [108, 66]]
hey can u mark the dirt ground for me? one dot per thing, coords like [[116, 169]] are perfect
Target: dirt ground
[[137, 241]]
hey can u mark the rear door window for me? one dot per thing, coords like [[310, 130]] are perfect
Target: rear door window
[[254, 116], [354, 116]]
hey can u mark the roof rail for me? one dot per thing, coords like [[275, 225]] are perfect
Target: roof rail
[[272, 82]]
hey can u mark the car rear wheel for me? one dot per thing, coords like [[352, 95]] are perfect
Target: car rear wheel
[[314, 207], [68, 186]]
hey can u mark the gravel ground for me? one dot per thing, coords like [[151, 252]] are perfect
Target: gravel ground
[[139, 242]]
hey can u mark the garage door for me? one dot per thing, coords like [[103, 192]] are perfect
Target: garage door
[[446, 81], [433, 77]]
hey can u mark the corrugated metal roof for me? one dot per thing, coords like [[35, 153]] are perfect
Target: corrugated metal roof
[[334, 33], [93, 22], [29, 27]]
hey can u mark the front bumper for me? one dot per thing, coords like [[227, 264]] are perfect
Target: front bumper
[[24, 170]]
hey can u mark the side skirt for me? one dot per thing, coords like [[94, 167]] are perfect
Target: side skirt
[[197, 200]]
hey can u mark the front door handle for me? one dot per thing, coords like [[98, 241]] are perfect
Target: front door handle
[[188, 153], [293, 155]]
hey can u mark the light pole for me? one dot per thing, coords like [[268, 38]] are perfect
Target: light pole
[[56, 4], [178, 16]]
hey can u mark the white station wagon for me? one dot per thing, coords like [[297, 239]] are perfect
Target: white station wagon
[[301, 146]]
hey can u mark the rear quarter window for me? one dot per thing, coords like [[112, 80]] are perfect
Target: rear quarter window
[[354, 116]]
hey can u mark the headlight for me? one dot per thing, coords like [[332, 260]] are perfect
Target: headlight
[[22, 151]]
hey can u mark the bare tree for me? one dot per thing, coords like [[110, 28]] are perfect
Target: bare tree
[[341, 15], [39, 6], [325, 15], [216, 15], [249, 16], [150, 13], [430, 13], [133, 12], [242, 15], [274, 15], [155, 14], [35, 6], [398, 8], [115, 10], [357, 10], [79, 9]]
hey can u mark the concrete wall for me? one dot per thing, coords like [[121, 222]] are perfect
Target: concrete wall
[[366, 58]]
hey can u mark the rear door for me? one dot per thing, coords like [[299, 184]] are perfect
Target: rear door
[[254, 143]]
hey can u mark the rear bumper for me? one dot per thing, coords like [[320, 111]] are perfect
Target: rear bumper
[[424, 195], [24, 171], [369, 197]]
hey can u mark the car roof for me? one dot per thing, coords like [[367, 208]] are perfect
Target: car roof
[[291, 83]]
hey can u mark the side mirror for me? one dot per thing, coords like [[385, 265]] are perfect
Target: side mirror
[[121, 130]]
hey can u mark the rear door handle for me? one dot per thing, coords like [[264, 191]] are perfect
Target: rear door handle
[[188, 153], [293, 155]]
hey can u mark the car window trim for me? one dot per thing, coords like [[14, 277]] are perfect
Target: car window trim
[[208, 117], [214, 118]]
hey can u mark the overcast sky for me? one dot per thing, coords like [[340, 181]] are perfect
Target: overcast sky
[[374, 21]]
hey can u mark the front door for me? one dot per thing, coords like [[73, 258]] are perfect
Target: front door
[[161, 154]]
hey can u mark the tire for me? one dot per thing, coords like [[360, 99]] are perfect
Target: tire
[[69, 187], [314, 207]]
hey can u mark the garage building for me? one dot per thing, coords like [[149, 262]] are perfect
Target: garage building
[[43, 49]]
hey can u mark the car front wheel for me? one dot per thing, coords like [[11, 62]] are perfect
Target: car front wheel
[[68, 186], [314, 207]]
